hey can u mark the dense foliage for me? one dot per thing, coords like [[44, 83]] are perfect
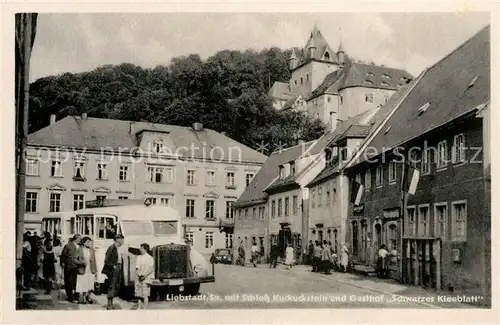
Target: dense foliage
[[227, 93]]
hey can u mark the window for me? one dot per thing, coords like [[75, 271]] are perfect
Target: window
[[295, 82], [254, 213], [282, 172], [440, 217], [426, 162], [442, 154], [229, 240], [102, 198], [287, 207], [357, 178], [392, 171], [313, 198], [240, 214], [79, 170], [31, 202], [123, 198], [191, 174], [78, 201], [210, 209], [295, 202], [273, 208], [32, 167], [328, 98], [246, 214], [327, 195], [280, 207], [414, 158], [393, 238], [56, 169], [263, 213], [123, 173], [190, 237], [292, 168], [210, 178], [320, 196], [458, 149], [301, 80], [307, 77], [412, 225], [102, 171], [344, 154], [162, 201], [368, 179], [423, 220], [209, 240], [379, 177], [189, 208], [158, 146], [230, 180], [327, 56], [341, 99], [55, 202], [229, 210], [459, 220], [369, 98], [248, 179]]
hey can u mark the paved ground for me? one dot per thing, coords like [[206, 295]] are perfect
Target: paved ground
[[262, 287]]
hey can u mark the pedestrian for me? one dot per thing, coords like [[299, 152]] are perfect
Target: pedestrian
[[27, 265], [310, 253], [58, 280], [274, 255], [49, 261], [144, 270], [289, 256], [316, 257], [113, 269], [255, 254], [345, 257], [69, 265], [325, 258], [382, 269], [87, 269], [241, 254]]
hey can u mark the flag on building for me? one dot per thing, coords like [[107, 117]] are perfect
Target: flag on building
[[411, 178], [356, 192]]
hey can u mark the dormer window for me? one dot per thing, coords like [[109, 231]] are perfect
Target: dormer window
[[369, 82], [344, 154], [369, 98], [385, 75], [371, 74], [292, 168], [327, 56], [385, 84], [282, 172], [158, 146]]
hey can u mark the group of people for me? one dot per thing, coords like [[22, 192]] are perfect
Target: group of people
[[75, 265], [324, 257]]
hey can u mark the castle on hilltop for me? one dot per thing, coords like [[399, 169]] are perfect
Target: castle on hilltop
[[330, 86]]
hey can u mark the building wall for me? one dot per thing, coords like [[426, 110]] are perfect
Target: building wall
[[322, 106], [456, 182], [139, 186], [312, 74], [247, 228], [354, 100], [295, 220]]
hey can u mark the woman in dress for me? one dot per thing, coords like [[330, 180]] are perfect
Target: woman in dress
[[58, 275], [345, 257], [289, 256], [49, 261], [144, 270], [87, 270]]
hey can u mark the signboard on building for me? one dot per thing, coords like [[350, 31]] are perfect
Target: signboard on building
[[391, 214]]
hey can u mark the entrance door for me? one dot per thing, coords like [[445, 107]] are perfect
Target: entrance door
[[422, 262], [320, 236]]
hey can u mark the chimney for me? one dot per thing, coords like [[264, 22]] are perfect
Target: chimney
[[84, 116], [52, 119], [197, 126]]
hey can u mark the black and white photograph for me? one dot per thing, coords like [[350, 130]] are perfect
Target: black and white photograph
[[251, 160]]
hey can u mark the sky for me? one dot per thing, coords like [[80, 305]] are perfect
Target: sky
[[70, 42]]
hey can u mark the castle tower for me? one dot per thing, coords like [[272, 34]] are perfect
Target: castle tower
[[293, 60], [341, 54]]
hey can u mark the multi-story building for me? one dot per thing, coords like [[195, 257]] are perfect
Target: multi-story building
[[196, 170], [439, 236], [330, 86]]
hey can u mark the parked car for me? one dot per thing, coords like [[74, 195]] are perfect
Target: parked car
[[223, 255]]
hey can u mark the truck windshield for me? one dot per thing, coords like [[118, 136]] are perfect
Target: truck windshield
[[137, 228], [165, 228]]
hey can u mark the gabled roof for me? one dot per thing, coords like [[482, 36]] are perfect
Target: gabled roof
[[269, 171], [453, 87], [362, 75], [280, 90], [97, 133]]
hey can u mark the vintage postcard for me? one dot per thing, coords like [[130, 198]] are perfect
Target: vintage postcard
[[323, 161]]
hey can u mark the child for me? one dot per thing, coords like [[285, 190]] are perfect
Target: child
[[144, 270]]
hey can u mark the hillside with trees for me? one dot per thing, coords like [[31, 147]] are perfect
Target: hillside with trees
[[227, 93]]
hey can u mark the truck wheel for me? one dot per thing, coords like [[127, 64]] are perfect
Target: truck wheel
[[192, 289]]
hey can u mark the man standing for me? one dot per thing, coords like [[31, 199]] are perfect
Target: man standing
[[382, 262], [310, 252], [274, 255], [316, 257], [113, 269], [255, 253], [241, 255], [69, 264]]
